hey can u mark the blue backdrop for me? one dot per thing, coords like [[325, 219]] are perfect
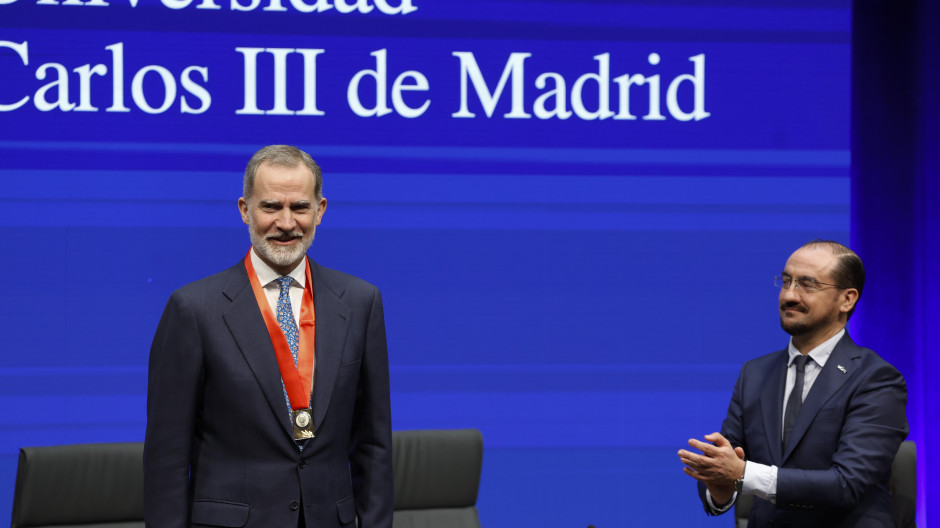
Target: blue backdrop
[[895, 217], [574, 211]]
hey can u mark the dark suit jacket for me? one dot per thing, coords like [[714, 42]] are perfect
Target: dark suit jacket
[[219, 449], [836, 468]]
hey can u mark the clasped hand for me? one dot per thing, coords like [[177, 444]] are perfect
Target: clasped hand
[[718, 465]]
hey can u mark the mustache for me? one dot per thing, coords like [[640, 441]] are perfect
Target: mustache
[[793, 305], [284, 236]]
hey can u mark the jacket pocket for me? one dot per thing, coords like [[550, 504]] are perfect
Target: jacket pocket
[[219, 513], [346, 510]]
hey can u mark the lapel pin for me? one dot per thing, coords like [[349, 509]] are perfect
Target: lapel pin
[[840, 367]]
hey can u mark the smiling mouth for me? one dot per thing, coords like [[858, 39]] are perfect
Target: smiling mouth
[[284, 238]]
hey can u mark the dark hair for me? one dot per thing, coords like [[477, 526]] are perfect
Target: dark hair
[[285, 156], [849, 272]]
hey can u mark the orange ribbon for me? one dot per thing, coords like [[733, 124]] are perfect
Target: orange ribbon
[[298, 379]]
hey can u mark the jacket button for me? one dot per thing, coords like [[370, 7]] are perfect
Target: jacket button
[[303, 464], [294, 505]]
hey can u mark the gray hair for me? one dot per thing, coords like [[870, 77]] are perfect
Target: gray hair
[[284, 156]]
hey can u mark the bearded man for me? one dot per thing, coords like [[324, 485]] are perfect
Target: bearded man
[[268, 395], [812, 429]]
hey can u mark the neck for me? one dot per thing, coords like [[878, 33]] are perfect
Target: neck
[[807, 342], [280, 269]]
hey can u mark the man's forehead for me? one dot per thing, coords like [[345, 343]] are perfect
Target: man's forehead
[[810, 262], [276, 181], [270, 169]]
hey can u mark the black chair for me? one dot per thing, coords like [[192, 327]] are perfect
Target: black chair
[[904, 485], [436, 472], [87, 485], [903, 488], [437, 476]]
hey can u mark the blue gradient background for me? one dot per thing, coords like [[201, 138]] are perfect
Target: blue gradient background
[[583, 292]]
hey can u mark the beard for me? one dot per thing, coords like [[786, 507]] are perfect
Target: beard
[[278, 255], [795, 328]]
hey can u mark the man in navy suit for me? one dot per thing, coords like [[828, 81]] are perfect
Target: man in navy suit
[[811, 430], [268, 396]]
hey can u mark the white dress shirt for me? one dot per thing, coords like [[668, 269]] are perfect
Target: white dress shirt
[[267, 277]]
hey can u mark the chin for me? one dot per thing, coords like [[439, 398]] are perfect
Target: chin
[[792, 328], [284, 256], [280, 255]]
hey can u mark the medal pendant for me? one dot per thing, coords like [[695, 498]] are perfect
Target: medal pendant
[[302, 420]]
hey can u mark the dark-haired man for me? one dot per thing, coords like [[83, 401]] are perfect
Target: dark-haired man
[[268, 397], [811, 430]]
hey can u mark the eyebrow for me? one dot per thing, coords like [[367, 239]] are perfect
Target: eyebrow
[[801, 277], [298, 203]]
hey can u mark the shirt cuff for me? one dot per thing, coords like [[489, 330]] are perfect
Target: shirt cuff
[[719, 509], [761, 481]]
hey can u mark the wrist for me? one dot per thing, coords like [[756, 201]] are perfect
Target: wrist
[[739, 482], [721, 494]]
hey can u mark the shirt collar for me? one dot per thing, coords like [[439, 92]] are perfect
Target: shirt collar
[[819, 354], [267, 275]]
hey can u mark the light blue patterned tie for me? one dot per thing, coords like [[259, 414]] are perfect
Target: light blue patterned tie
[[285, 316], [285, 319]]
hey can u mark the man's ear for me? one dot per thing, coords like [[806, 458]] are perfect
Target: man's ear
[[243, 209], [321, 208], [849, 298]]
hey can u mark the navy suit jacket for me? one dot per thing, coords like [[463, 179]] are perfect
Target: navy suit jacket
[[835, 470], [219, 449]]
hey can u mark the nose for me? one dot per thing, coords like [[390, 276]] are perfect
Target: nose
[[285, 220], [791, 293]]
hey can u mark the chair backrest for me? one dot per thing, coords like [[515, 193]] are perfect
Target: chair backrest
[[742, 508], [437, 477], [87, 485], [436, 472], [903, 488]]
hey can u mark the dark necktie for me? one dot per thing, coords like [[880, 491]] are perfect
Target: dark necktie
[[796, 399]]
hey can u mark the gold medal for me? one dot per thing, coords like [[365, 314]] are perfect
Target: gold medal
[[303, 423]]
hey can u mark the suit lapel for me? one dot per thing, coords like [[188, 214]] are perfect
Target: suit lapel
[[772, 403], [332, 327], [247, 326], [840, 367]]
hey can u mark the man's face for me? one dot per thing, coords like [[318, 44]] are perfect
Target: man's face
[[819, 313], [282, 214]]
